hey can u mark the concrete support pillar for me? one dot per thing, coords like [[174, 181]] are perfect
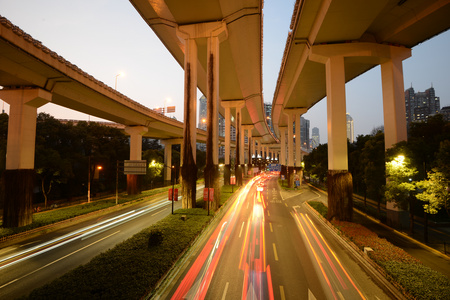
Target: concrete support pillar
[[340, 186], [290, 163], [298, 142], [237, 104], [187, 35], [282, 160], [394, 113], [394, 97], [168, 166], [135, 132], [212, 91], [227, 169], [167, 163], [249, 128], [18, 177]]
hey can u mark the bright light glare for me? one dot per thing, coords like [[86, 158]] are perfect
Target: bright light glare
[[258, 211]]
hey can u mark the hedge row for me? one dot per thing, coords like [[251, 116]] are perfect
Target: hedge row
[[132, 268], [418, 280]]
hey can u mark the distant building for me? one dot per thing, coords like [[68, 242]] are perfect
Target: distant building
[[350, 129], [315, 139], [268, 111], [202, 113], [304, 133], [419, 106], [445, 111]]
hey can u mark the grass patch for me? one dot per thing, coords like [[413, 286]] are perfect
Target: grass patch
[[319, 207], [57, 215], [225, 193]]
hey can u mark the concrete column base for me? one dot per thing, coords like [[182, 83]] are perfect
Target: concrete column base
[[212, 180], [239, 174], [290, 177], [340, 195], [18, 201], [189, 184], [133, 184], [226, 174]]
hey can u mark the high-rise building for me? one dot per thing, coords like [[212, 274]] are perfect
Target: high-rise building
[[350, 129], [315, 140], [304, 133], [445, 111], [268, 111], [419, 106], [202, 113]]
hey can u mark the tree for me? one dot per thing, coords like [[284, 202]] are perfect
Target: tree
[[372, 162], [435, 192], [316, 163], [399, 177]]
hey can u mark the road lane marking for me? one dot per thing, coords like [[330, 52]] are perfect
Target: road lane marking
[[268, 213], [270, 225], [240, 232], [275, 251], [158, 212], [282, 296], [225, 291], [61, 258], [286, 204]]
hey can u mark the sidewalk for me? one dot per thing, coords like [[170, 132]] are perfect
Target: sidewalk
[[430, 254]]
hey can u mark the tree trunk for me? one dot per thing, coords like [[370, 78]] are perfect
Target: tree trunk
[[18, 200], [340, 195]]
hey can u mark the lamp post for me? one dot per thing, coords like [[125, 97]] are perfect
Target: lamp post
[[115, 84]]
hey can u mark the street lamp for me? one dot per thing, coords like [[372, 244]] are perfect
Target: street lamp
[[120, 74]]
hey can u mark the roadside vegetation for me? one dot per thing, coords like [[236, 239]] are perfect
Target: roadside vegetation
[[418, 170], [416, 280]]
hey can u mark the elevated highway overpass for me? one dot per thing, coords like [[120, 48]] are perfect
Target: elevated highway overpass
[[332, 42]]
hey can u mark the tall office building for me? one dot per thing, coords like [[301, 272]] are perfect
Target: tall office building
[[315, 139], [419, 106], [304, 133], [202, 113], [350, 129], [268, 111]]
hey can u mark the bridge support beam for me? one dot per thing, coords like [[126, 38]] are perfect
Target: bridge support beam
[[19, 175], [135, 132]]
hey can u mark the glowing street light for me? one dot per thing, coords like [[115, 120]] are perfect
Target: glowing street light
[[120, 74]]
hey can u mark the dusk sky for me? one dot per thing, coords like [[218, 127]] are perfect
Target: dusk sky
[[104, 38]]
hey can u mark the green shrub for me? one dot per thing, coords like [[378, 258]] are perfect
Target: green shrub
[[130, 269], [419, 280], [319, 207]]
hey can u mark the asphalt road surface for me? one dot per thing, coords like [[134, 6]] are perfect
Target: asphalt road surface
[[269, 246]]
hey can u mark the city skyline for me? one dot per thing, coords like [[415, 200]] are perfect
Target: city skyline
[[118, 40]]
